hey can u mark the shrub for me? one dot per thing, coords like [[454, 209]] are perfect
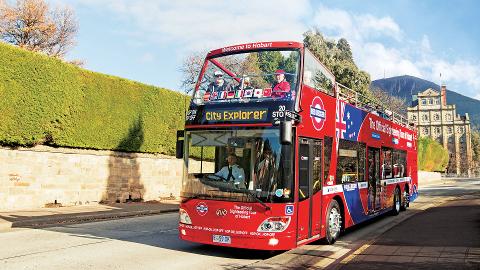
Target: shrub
[[46, 101], [431, 155]]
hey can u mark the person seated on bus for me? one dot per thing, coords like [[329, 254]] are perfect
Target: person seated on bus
[[219, 84], [232, 172], [282, 87], [246, 84]]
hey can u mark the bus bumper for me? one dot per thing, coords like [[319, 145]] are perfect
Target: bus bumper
[[254, 240]]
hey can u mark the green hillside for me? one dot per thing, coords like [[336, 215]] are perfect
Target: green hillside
[[46, 101]]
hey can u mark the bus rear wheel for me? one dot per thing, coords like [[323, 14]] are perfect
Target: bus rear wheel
[[406, 200], [334, 222], [397, 202]]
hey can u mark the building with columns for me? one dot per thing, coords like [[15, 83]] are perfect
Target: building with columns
[[440, 121]]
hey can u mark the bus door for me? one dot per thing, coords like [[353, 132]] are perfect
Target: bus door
[[309, 197], [374, 184]]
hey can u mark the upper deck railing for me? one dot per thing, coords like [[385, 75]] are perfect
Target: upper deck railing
[[361, 101]]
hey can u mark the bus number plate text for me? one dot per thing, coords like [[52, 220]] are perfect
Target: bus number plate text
[[223, 239]]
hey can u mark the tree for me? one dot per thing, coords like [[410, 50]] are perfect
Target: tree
[[33, 25], [432, 156], [190, 69], [270, 61], [394, 103], [251, 65], [337, 57], [476, 150]]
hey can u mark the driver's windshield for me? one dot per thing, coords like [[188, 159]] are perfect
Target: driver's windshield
[[249, 77], [238, 165]]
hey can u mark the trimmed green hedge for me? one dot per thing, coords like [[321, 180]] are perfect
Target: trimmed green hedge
[[431, 155], [46, 101]]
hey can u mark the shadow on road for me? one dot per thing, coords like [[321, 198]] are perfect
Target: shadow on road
[[155, 231]]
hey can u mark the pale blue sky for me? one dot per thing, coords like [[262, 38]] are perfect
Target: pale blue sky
[[146, 40]]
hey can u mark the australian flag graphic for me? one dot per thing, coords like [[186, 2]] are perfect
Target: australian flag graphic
[[353, 119]]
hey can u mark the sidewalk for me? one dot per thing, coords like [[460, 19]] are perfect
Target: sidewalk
[[438, 182], [46, 217]]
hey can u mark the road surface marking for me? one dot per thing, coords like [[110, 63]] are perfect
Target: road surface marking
[[355, 253]]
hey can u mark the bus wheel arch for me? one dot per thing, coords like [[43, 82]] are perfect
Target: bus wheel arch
[[335, 220]]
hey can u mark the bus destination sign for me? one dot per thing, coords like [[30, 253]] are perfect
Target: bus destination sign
[[236, 115]]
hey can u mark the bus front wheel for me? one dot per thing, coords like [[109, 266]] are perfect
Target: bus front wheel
[[334, 222]]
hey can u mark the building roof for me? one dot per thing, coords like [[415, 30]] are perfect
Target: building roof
[[429, 93]]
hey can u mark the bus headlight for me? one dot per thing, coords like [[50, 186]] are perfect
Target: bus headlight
[[274, 224], [184, 217]]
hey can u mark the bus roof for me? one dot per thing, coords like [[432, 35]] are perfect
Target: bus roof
[[255, 46]]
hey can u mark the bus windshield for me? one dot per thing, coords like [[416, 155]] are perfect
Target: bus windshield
[[238, 165], [249, 77]]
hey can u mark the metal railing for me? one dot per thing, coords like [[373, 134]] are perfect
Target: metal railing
[[361, 101]]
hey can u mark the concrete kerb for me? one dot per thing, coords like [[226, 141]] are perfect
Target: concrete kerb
[[51, 221]]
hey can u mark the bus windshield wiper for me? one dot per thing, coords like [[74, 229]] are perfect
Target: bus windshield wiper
[[248, 192]]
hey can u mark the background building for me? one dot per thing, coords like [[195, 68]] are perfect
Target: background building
[[436, 119]]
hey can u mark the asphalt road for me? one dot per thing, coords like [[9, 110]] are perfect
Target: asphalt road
[[436, 229], [135, 243]]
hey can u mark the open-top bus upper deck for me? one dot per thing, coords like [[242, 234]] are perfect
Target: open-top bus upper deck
[[248, 94]]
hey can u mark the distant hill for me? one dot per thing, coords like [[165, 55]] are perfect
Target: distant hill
[[406, 86]]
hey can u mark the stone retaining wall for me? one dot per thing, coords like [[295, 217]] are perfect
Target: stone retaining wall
[[33, 177]]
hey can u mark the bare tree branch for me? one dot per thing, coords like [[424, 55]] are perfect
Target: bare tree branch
[[190, 69], [31, 25]]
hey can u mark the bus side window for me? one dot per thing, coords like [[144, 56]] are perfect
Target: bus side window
[[387, 170], [347, 163], [316, 75], [362, 153], [399, 163]]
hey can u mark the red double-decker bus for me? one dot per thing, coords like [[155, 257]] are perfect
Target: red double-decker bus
[[278, 154]]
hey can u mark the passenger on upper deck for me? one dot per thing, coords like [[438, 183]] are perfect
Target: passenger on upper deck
[[219, 84], [246, 84], [282, 87]]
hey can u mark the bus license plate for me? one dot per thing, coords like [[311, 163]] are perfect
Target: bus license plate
[[223, 239]]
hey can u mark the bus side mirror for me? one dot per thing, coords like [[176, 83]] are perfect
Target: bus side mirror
[[180, 144], [286, 132]]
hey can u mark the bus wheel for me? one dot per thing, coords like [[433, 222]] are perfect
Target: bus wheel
[[397, 201], [334, 222], [406, 200]]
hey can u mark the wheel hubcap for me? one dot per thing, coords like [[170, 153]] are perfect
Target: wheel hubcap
[[405, 197], [397, 201], [335, 220]]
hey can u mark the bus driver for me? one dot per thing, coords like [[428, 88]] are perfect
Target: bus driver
[[232, 172]]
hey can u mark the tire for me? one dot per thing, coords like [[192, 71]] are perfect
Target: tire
[[334, 222], [397, 202], [406, 200]]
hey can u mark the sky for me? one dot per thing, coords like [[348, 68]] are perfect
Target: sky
[[147, 40]]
